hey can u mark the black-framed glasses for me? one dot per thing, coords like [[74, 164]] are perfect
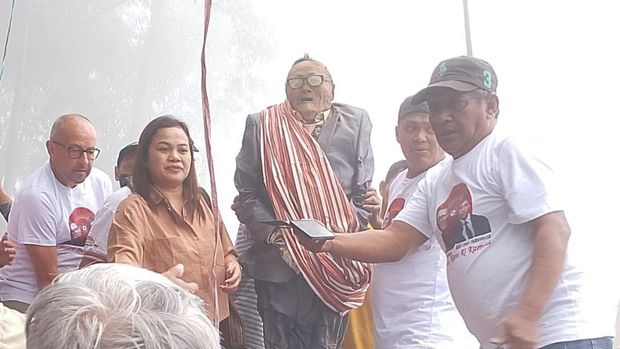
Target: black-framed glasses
[[312, 80], [75, 152]]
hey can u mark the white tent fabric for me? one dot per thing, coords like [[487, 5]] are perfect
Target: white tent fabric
[[123, 62]]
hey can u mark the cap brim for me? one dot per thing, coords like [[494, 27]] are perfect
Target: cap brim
[[428, 91]]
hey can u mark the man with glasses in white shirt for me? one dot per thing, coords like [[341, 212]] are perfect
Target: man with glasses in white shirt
[[52, 213]]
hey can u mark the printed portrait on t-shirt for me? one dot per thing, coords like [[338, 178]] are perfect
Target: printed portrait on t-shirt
[[396, 206], [456, 220], [80, 221]]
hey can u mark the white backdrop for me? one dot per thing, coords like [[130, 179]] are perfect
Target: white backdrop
[[123, 62]]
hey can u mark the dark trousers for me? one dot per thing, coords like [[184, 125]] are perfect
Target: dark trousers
[[295, 318], [15, 305]]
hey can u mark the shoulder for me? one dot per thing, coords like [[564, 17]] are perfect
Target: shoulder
[[251, 122], [132, 204], [114, 199], [439, 168], [99, 178], [34, 196], [41, 177], [434, 175], [519, 148], [255, 117], [346, 109], [39, 188]]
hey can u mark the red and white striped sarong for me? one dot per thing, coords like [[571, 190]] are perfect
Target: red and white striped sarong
[[301, 184]]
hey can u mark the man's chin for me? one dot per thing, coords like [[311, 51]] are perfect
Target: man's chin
[[79, 178]]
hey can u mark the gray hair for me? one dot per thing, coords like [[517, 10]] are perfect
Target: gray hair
[[117, 306]]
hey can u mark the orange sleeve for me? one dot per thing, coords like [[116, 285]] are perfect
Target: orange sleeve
[[125, 241]]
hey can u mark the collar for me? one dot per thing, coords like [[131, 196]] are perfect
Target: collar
[[318, 117]]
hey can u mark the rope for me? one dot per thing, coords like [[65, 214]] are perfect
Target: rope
[[206, 113], [6, 43]]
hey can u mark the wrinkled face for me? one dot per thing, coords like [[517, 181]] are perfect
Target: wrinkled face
[[169, 157], [71, 152], [125, 170], [310, 100], [417, 141], [461, 120]]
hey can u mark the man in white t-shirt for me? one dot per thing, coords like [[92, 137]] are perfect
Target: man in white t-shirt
[[53, 212], [516, 285], [96, 247], [411, 302]]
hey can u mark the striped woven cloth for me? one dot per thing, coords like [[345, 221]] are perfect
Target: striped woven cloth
[[301, 184]]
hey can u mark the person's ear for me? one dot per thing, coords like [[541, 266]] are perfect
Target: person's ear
[[50, 147], [117, 175], [492, 105], [396, 134]]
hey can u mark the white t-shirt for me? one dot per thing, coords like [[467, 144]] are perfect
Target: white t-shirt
[[47, 213], [411, 303], [507, 187], [97, 239]]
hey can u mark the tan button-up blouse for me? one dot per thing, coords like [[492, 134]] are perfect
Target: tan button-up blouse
[[157, 238]]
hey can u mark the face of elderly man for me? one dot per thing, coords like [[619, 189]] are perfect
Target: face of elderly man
[[309, 89], [72, 150]]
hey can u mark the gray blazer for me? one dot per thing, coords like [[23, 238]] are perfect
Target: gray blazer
[[345, 138]]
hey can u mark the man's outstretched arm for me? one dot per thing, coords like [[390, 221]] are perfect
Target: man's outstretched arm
[[372, 246]]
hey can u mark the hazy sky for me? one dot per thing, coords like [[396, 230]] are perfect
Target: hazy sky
[[125, 62]]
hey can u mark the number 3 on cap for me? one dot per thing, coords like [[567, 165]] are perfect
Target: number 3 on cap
[[488, 79]]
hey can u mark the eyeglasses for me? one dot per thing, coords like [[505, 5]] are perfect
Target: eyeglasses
[[76, 152], [312, 80]]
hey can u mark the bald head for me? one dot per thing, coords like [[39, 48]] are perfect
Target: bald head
[[69, 121], [71, 146]]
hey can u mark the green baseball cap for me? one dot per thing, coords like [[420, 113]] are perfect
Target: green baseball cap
[[464, 73]]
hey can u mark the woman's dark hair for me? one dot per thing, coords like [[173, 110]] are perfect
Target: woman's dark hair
[[142, 181]]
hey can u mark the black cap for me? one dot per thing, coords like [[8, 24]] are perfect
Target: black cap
[[464, 73], [127, 150], [407, 107]]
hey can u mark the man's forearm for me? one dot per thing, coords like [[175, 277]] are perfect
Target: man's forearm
[[45, 263], [46, 279], [377, 246]]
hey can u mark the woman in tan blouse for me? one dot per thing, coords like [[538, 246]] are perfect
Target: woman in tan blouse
[[167, 225]]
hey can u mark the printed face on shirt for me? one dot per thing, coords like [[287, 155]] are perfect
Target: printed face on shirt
[[310, 100], [74, 134], [442, 219], [464, 209], [417, 140], [169, 157], [461, 120]]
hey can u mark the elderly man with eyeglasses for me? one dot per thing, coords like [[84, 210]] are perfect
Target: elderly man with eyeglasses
[[304, 158], [52, 213]]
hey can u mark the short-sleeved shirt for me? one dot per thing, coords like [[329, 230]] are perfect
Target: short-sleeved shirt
[[97, 239], [47, 213], [502, 185], [157, 238], [411, 302]]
